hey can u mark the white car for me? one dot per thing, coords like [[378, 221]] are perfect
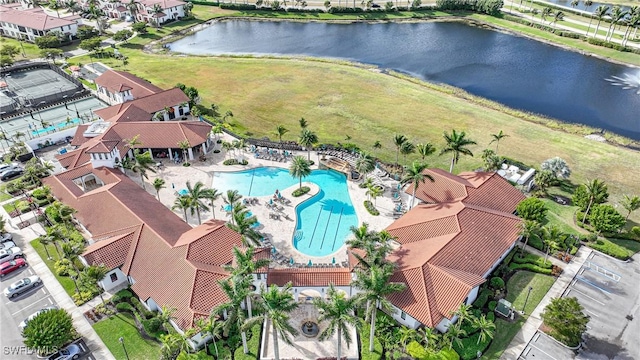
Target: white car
[[7, 245], [10, 254], [24, 323], [21, 286]]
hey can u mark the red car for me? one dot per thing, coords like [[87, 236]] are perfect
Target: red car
[[11, 266]]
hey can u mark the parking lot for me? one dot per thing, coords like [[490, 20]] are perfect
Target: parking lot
[[15, 310], [609, 293]]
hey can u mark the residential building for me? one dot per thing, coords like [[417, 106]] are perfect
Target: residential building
[[29, 24]]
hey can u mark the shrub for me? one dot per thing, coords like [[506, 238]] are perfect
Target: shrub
[[490, 7], [122, 35], [121, 296], [533, 259], [482, 299], [230, 162], [144, 312], [566, 320], [530, 267], [301, 191], [62, 267], [124, 307], [371, 208], [344, 10], [491, 316], [140, 27], [237, 6], [492, 305], [497, 283], [610, 249], [40, 193], [152, 326], [82, 297], [605, 218], [470, 346], [417, 351], [532, 209]]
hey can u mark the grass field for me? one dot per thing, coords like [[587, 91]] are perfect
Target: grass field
[[65, 281], [123, 325]]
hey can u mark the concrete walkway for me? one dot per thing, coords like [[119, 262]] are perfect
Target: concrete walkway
[[62, 299], [534, 321]]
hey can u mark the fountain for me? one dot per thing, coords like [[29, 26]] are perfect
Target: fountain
[[310, 329]]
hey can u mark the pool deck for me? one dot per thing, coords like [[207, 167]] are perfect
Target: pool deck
[[280, 232]]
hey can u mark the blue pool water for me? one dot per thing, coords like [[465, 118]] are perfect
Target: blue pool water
[[59, 126], [323, 222]]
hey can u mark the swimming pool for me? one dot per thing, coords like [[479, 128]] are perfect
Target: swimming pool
[[323, 222], [55, 127]]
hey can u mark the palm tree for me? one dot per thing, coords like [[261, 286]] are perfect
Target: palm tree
[[587, 4], [303, 123], [499, 136], [407, 149], [53, 236], [545, 12], [486, 327], [375, 288], [243, 225], [557, 15], [66, 214], [557, 166], [232, 199], [158, 184], [236, 289], [132, 6], [184, 146], [307, 139], [277, 304], [280, 131], [374, 192], [528, 228], [600, 12], [183, 203], [165, 316], [377, 145], [364, 239], [246, 266], [597, 192], [175, 343], [416, 175], [299, 168], [617, 14], [398, 141], [632, 22], [365, 163], [72, 5], [54, 5], [457, 144], [575, 3], [196, 194], [213, 195], [425, 150], [552, 236], [141, 164], [454, 334], [71, 251], [46, 240], [431, 337], [406, 335], [631, 204], [213, 328], [95, 274], [156, 10], [337, 310]]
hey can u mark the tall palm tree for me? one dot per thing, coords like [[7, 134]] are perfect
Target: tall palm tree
[[132, 6], [232, 199], [246, 266], [243, 225], [431, 337], [197, 193], [280, 131], [299, 168], [72, 5], [174, 343], [46, 240], [363, 238], [184, 146], [552, 236], [213, 195], [377, 145], [407, 148], [307, 139], [158, 184], [142, 163], [375, 287], [53, 236], [165, 315], [486, 327], [211, 327], [499, 136], [587, 4], [617, 14], [303, 123], [600, 12], [95, 274], [575, 3], [597, 192], [71, 251], [545, 12], [457, 144], [183, 203], [557, 15], [406, 335], [631, 204], [425, 150], [415, 175], [374, 192], [455, 334], [398, 141], [236, 289], [337, 310], [528, 228], [277, 304], [633, 21], [365, 163], [66, 214]]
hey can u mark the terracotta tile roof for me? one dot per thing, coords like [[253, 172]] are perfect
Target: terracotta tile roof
[[164, 4], [446, 250], [102, 147], [310, 276], [111, 252], [37, 20], [78, 137], [210, 243], [113, 81], [73, 158], [486, 189], [207, 294], [142, 108], [160, 134]]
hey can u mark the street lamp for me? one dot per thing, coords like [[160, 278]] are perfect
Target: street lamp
[[121, 339], [526, 299]]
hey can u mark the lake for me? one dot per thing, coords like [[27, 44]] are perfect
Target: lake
[[516, 71]]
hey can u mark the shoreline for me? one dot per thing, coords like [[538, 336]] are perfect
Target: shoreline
[[551, 123]]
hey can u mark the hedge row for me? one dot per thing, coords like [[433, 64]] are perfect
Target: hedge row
[[610, 249], [371, 208], [533, 259], [301, 191], [530, 267], [482, 298]]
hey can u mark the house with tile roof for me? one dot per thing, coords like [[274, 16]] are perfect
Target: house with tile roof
[[29, 24], [169, 10]]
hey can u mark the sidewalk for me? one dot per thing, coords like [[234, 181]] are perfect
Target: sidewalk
[[63, 300], [534, 321]]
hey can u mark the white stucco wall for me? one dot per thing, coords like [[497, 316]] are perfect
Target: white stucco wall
[[107, 283], [408, 320]]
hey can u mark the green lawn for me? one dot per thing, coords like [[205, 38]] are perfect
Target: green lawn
[[562, 217], [123, 325], [65, 281], [517, 289]]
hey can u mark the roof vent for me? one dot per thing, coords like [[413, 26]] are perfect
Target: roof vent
[[96, 128]]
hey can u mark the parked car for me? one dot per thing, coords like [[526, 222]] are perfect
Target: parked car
[[22, 286], [4, 167], [10, 254], [6, 237], [10, 174], [10, 266], [9, 168], [375, 6], [72, 351], [7, 245], [24, 323]]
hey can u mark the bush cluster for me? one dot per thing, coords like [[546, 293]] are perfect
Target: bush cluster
[[142, 310], [492, 305], [533, 259], [237, 6], [152, 325], [490, 7], [371, 208], [345, 10], [124, 307], [610, 45], [62, 267], [83, 296], [482, 298], [301, 191], [234, 162], [469, 347], [121, 296], [530, 267], [610, 249], [497, 283]]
